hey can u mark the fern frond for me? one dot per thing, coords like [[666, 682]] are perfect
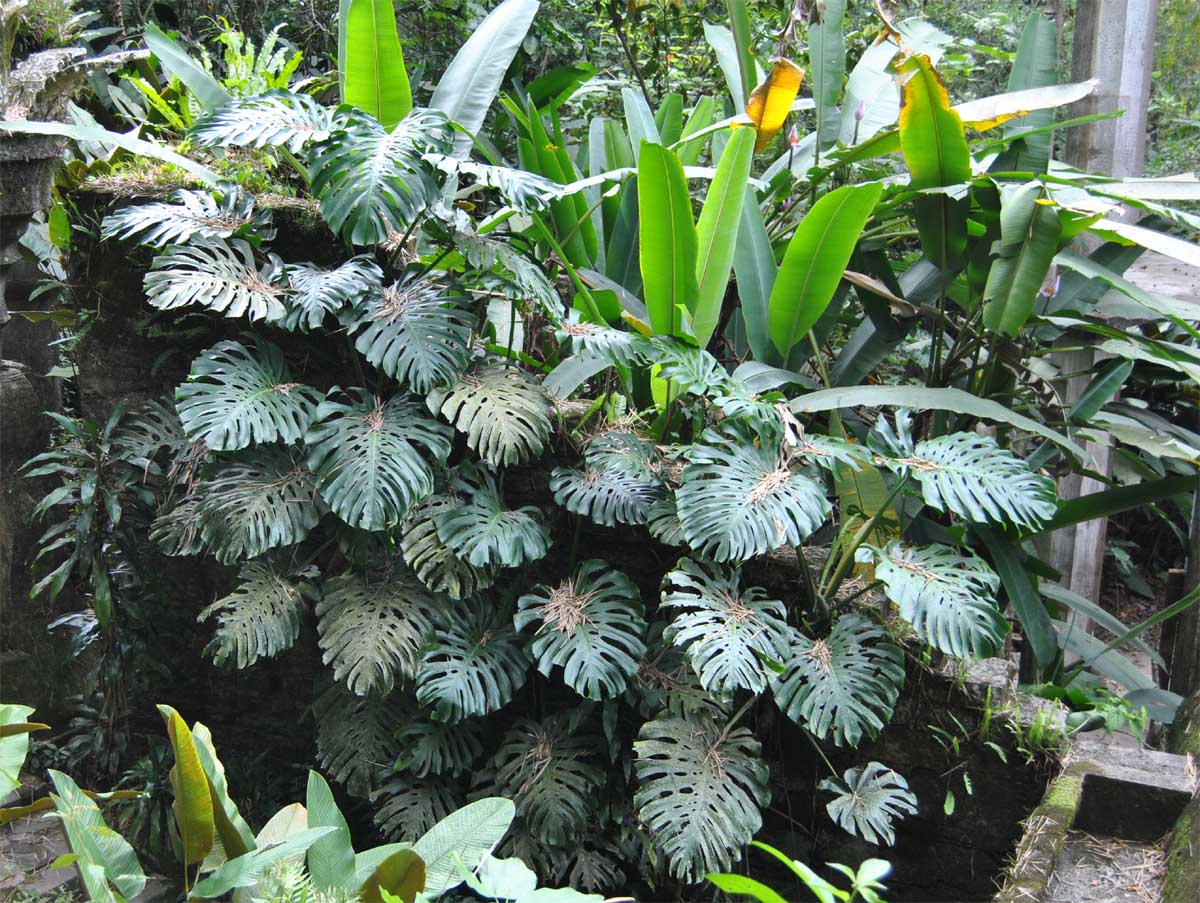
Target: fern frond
[[221, 277], [504, 414], [868, 801], [262, 616], [275, 119]]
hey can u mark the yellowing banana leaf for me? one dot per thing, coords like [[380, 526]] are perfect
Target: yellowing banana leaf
[[401, 875], [236, 836], [667, 243], [45, 803], [193, 805], [375, 77], [770, 102], [22, 727], [989, 112]]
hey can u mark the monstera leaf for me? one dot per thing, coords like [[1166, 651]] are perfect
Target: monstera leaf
[[261, 618], [316, 293], [738, 499], [367, 457], [473, 665], [485, 533], [255, 501], [434, 747], [948, 597], [616, 347], [356, 737], [372, 182], [868, 802], [550, 771], [274, 119], [193, 214], [504, 414], [371, 630], [620, 483], [725, 631], [591, 625], [700, 790], [435, 563], [237, 396], [221, 277], [413, 331], [662, 520], [405, 808], [845, 684]]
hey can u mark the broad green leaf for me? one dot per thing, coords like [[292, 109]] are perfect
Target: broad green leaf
[[744, 887], [1035, 66], [469, 85], [1151, 239], [179, 63], [667, 238], [1108, 502], [743, 40], [723, 44], [754, 266], [639, 120], [374, 77], [668, 118], [1100, 390], [331, 858], [770, 103], [1091, 610], [401, 876], [868, 800], [815, 260], [247, 870], [872, 100], [988, 112], [827, 67], [233, 831], [104, 857], [701, 118], [1029, 234], [193, 804], [465, 838], [717, 233], [13, 746], [1019, 586]]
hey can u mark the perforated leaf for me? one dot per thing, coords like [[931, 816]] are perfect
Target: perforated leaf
[[724, 629], [356, 737], [374, 459], [406, 807], [615, 346], [606, 496], [191, 214], [262, 616], [415, 332], [869, 801], [237, 396], [274, 119], [552, 774], [520, 189], [738, 499], [434, 747], [221, 277], [845, 684], [371, 630], [153, 429], [371, 181], [254, 501], [473, 665], [504, 414], [591, 624], [483, 531], [316, 293], [700, 791], [662, 520], [949, 597], [434, 563]]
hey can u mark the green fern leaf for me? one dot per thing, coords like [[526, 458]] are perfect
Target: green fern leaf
[[372, 182], [869, 801], [504, 414], [255, 501], [474, 664], [237, 396], [316, 293], [261, 618], [845, 684], [485, 533], [415, 332], [700, 791], [693, 370], [739, 500], [485, 254], [948, 597], [367, 457], [356, 737], [434, 747], [591, 625], [434, 563], [221, 277], [371, 630], [193, 214], [405, 808], [725, 631]]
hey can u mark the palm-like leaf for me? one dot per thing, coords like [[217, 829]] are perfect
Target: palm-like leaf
[[948, 597], [504, 414], [550, 772], [473, 666], [367, 457], [868, 802], [414, 332], [317, 293], [845, 684], [738, 499], [255, 501], [726, 631], [434, 747], [356, 737], [371, 630], [275, 119], [237, 396], [485, 533], [194, 214], [373, 182], [222, 277], [405, 808], [261, 618], [692, 369], [591, 625], [700, 791], [434, 563]]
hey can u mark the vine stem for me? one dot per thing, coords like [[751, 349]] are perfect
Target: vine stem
[[847, 558], [593, 308], [821, 753], [734, 720]]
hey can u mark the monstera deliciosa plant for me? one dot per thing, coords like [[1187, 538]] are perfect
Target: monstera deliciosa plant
[[519, 452]]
